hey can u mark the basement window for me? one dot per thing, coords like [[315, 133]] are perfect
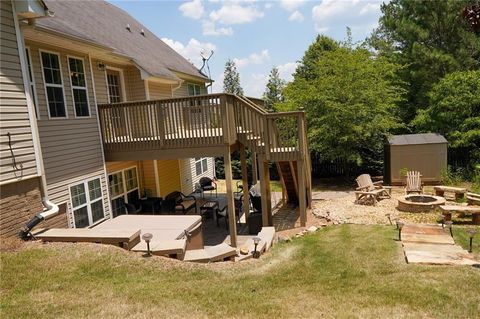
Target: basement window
[[87, 202], [201, 165]]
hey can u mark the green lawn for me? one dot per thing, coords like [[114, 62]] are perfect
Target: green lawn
[[342, 271]]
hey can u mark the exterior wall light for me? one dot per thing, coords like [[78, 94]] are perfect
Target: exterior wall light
[[471, 233], [147, 237], [256, 241]]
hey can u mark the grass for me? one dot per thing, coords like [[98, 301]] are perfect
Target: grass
[[343, 271]]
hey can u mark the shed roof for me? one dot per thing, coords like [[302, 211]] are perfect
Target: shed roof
[[105, 24], [415, 139]]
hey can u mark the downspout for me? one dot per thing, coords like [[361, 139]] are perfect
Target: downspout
[[174, 88], [51, 208]]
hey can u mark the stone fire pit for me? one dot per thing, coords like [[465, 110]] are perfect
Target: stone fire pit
[[419, 203]]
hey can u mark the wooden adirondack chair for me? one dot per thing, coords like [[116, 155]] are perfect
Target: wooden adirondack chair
[[414, 183], [369, 190]]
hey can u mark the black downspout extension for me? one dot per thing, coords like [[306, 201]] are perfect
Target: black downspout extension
[[25, 233]]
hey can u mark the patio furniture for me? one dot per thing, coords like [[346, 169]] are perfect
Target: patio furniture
[[209, 208], [133, 209], [208, 184], [448, 210], [179, 202], [414, 183], [458, 191], [151, 205], [224, 212], [369, 190]]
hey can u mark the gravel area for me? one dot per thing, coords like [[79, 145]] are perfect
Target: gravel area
[[340, 207]]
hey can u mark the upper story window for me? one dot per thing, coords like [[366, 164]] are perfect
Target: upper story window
[[79, 87], [52, 76], [193, 89], [114, 86], [87, 202], [31, 81]]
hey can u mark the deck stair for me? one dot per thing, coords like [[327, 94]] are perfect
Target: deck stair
[[289, 175], [210, 254], [163, 247]]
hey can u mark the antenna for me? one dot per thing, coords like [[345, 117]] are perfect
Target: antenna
[[205, 63]]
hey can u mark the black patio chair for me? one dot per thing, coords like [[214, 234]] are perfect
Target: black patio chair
[[208, 184]]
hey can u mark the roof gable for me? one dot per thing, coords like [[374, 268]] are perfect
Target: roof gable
[[103, 23]]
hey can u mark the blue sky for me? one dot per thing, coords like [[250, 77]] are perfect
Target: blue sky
[[258, 35]]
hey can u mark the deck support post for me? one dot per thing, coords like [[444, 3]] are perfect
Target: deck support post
[[254, 168], [246, 191], [302, 195], [265, 192], [232, 220]]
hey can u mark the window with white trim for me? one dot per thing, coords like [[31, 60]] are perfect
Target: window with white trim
[[123, 189], [87, 203], [201, 165], [52, 75], [31, 81], [79, 87]]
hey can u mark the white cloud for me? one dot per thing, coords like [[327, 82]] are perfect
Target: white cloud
[[254, 58], [192, 50], [286, 70], [291, 5], [296, 17], [234, 13], [268, 5], [254, 85], [193, 9], [353, 13], [218, 83], [208, 28]]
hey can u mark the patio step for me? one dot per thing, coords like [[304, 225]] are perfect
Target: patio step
[[163, 247], [210, 254]]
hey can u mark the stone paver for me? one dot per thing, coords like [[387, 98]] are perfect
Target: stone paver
[[432, 244]]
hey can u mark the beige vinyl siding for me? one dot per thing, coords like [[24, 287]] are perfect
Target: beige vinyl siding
[[14, 117], [159, 90], [189, 175], [71, 147], [100, 82], [135, 85]]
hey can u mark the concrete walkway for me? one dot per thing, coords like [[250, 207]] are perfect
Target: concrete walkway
[[433, 245]]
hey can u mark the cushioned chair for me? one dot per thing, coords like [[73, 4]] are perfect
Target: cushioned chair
[[208, 184], [133, 209], [177, 202]]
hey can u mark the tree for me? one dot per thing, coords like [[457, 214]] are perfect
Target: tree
[[231, 80], [306, 68], [430, 38], [274, 90], [454, 111], [351, 103]]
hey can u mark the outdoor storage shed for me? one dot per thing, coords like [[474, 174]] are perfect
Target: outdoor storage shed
[[426, 153]]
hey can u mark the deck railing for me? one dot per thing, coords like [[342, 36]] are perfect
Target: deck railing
[[202, 121]]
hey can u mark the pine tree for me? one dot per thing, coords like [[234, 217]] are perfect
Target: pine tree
[[231, 80], [274, 90]]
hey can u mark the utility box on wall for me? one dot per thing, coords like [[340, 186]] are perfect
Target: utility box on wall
[[426, 153]]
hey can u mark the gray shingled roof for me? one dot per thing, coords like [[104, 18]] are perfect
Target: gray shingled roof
[[105, 24], [412, 139]]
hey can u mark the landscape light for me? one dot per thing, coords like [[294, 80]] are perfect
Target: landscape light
[[399, 227], [442, 219], [397, 220], [147, 237], [471, 233], [449, 223], [389, 220], [256, 241]]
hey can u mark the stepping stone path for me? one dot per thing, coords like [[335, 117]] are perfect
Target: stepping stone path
[[433, 245]]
